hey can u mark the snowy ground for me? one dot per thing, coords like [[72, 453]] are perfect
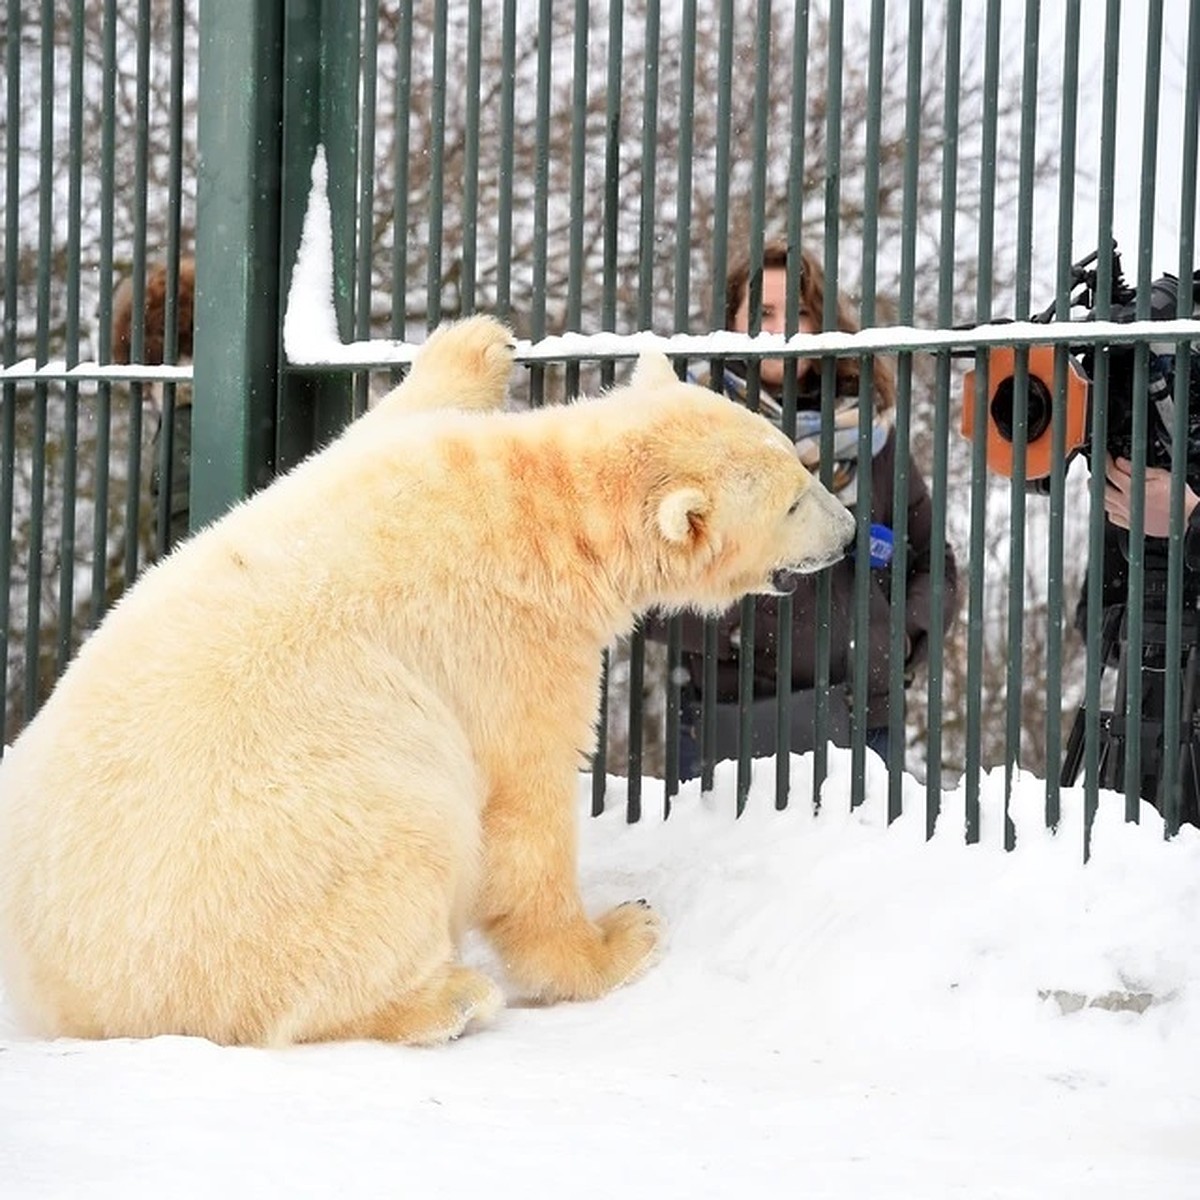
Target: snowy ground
[[843, 1010]]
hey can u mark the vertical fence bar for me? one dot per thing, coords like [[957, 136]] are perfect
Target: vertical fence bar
[[791, 309], [758, 178], [683, 277], [795, 228], [608, 315], [612, 178], [941, 424], [866, 372], [612, 265], [470, 231], [365, 265], [541, 188], [504, 200], [649, 167], [1142, 574], [338, 56], [437, 165], [720, 269], [1099, 417], [108, 73], [8, 412], [137, 343], [903, 429], [403, 100], [171, 331], [979, 480], [1133, 647], [579, 97], [1183, 753], [66, 572], [829, 320], [1188, 172], [1055, 576], [37, 516], [1169, 797], [1016, 579], [645, 316]]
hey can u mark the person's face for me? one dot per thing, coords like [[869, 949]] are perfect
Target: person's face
[[774, 305]]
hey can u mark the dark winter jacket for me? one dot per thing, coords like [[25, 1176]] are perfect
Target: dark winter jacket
[[806, 635], [180, 473]]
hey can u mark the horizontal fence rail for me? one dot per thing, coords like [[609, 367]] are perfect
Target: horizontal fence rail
[[379, 353]]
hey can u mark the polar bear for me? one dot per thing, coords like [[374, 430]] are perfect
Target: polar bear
[[343, 724]]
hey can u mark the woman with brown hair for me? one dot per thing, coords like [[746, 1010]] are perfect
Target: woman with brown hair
[[846, 474]]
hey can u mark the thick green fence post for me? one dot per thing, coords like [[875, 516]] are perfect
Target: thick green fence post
[[322, 42], [238, 308], [260, 62]]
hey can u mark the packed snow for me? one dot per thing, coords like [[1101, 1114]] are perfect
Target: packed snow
[[842, 1009]]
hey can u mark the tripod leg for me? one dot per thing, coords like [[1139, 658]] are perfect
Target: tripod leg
[[1113, 731], [1110, 764], [1189, 795], [1073, 758]]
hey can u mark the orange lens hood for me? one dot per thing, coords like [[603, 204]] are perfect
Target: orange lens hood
[[1002, 363]]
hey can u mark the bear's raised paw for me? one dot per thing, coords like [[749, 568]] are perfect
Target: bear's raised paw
[[469, 362], [464, 365]]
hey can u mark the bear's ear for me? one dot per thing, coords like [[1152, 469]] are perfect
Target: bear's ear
[[653, 370], [682, 513]]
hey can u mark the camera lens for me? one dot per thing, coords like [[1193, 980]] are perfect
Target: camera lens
[[1038, 410]]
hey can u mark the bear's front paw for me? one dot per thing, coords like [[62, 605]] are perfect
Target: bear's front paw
[[632, 935], [578, 959]]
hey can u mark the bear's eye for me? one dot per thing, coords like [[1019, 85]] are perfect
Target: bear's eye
[[795, 505]]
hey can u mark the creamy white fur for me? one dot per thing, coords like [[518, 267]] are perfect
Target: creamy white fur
[[331, 731]]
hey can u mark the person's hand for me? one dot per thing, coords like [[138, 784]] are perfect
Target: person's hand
[[1118, 496]]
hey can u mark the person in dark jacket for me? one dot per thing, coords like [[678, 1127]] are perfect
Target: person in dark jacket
[[1144, 667], [175, 506], [1158, 520], [847, 475]]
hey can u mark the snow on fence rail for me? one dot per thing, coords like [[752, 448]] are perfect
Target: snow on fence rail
[[571, 347], [577, 347]]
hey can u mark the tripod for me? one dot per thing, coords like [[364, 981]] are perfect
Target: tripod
[[1115, 726]]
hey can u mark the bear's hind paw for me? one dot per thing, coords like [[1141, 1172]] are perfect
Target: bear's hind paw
[[440, 1011], [472, 1001], [479, 1000]]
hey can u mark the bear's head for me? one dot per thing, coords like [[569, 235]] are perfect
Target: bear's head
[[728, 506]]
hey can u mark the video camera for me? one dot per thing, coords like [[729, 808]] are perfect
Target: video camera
[[1146, 662], [1160, 384]]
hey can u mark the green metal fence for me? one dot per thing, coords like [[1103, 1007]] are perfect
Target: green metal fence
[[595, 169]]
